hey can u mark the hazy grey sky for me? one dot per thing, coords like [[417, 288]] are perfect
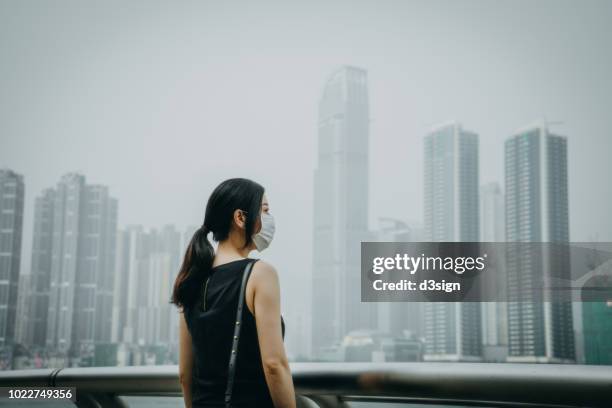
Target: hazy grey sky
[[161, 101]]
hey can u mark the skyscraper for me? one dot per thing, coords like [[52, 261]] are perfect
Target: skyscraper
[[82, 262], [340, 208], [494, 314], [100, 239], [11, 225], [452, 330], [537, 211], [38, 296]]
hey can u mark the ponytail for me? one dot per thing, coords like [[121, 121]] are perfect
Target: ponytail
[[196, 267]]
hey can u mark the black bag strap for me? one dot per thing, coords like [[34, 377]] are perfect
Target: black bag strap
[[236, 338]]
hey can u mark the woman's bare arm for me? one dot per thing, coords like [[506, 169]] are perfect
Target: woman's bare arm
[[185, 359], [266, 304]]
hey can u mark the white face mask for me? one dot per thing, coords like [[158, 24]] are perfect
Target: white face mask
[[263, 238]]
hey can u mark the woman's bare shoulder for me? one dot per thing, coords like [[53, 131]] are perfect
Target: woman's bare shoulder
[[264, 271]]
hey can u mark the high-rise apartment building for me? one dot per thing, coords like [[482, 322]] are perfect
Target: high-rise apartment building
[[82, 265], [537, 211], [40, 270], [452, 330], [12, 190]]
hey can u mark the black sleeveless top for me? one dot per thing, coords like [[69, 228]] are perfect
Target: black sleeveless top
[[212, 332]]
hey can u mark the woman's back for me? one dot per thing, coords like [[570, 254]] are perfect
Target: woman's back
[[211, 332]]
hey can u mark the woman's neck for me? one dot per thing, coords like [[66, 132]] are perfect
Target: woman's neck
[[227, 252]]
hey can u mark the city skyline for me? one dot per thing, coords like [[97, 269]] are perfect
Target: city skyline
[[48, 199]]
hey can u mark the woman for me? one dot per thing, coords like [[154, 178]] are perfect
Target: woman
[[206, 292]]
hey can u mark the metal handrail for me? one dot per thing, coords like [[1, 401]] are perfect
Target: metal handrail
[[329, 384]]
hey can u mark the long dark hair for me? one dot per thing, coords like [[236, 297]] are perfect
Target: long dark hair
[[230, 195]]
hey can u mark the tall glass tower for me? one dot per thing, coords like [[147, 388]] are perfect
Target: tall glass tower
[[452, 330], [537, 211], [340, 209]]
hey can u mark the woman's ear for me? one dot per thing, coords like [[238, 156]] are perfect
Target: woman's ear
[[240, 218]]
